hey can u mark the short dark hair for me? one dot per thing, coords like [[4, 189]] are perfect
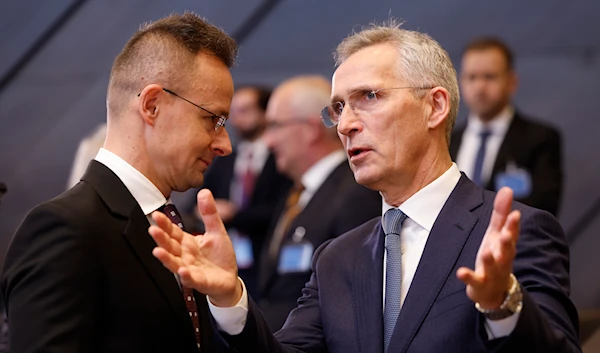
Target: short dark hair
[[159, 51], [263, 94], [485, 43]]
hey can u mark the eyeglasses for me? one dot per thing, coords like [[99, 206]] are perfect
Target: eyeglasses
[[360, 101], [217, 120]]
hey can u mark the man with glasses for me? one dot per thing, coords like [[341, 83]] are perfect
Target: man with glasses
[[79, 275], [448, 268]]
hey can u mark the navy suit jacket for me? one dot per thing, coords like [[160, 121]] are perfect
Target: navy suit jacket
[[341, 307]]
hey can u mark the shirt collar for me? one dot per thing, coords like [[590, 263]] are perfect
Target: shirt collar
[[256, 146], [426, 204], [318, 172], [145, 193], [498, 125]]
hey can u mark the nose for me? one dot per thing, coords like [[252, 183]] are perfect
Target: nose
[[349, 122], [221, 144]]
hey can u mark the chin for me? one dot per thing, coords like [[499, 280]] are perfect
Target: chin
[[365, 179]]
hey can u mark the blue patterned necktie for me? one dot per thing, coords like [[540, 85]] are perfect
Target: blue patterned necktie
[[392, 224], [478, 168]]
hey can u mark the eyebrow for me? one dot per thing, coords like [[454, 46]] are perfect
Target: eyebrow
[[336, 98]]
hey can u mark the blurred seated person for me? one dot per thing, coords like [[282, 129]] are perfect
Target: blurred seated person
[[246, 184], [324, 203]]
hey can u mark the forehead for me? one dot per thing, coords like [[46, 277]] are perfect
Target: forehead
[[491, 59], [280, 103], [373, 67], [245, 96], [213, 84]]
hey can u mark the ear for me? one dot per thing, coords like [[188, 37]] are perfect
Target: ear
[[315, 130], [149, 101], [439, 107]]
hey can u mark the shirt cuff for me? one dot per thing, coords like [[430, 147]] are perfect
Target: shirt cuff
[[231, 320], [501, 328]]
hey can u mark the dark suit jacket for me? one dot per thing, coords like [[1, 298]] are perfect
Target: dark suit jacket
[[340, 204], [79, 276], [340, 310], [534, 147]]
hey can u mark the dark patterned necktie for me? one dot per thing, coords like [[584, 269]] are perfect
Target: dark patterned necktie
[[188, 294]]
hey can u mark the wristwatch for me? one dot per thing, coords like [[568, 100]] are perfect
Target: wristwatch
[[512, 303]]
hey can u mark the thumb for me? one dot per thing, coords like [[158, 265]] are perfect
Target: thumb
[[208, 210]]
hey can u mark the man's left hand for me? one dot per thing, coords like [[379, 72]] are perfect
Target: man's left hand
[[490, 282]]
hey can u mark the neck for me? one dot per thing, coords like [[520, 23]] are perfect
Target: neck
[[489, 116], [403, 187], [312, 157], [134, 153]]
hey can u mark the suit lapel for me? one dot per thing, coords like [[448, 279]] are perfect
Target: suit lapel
[[134, 223], [368, 292], [444, 245], [136, 234], [321, 198]]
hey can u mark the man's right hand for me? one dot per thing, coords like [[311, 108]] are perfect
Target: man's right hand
[[205, 262]]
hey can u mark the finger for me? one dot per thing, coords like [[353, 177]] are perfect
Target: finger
[[164, 223], [186, 278], [208, 210], [164, 241], [502, 205], [487, 265], [468, 277], [508, 240], [172, 263]]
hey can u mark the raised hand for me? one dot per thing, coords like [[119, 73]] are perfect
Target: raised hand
[[204, 262], [489, 283]]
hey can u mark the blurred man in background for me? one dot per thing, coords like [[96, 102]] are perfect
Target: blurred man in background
[[246, 184], [499, 146], [324, 203]]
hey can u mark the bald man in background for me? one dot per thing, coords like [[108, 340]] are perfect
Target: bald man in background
[[325, 202]]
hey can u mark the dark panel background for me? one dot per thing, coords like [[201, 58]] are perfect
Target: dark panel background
[[59, 96]]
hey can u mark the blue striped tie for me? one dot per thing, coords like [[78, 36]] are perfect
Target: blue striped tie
[[392, 224]]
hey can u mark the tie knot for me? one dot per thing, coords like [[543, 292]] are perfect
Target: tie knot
[[485, 133], [294, 195], [171, 212], [392, 221]]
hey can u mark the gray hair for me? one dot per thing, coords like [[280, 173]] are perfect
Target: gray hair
[[422, 61]]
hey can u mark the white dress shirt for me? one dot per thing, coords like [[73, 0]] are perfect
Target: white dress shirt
[[257, 149], [145, 193], [471, 140], [422, 210]]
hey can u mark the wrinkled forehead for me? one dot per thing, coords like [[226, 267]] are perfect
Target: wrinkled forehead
[[369, 68]]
